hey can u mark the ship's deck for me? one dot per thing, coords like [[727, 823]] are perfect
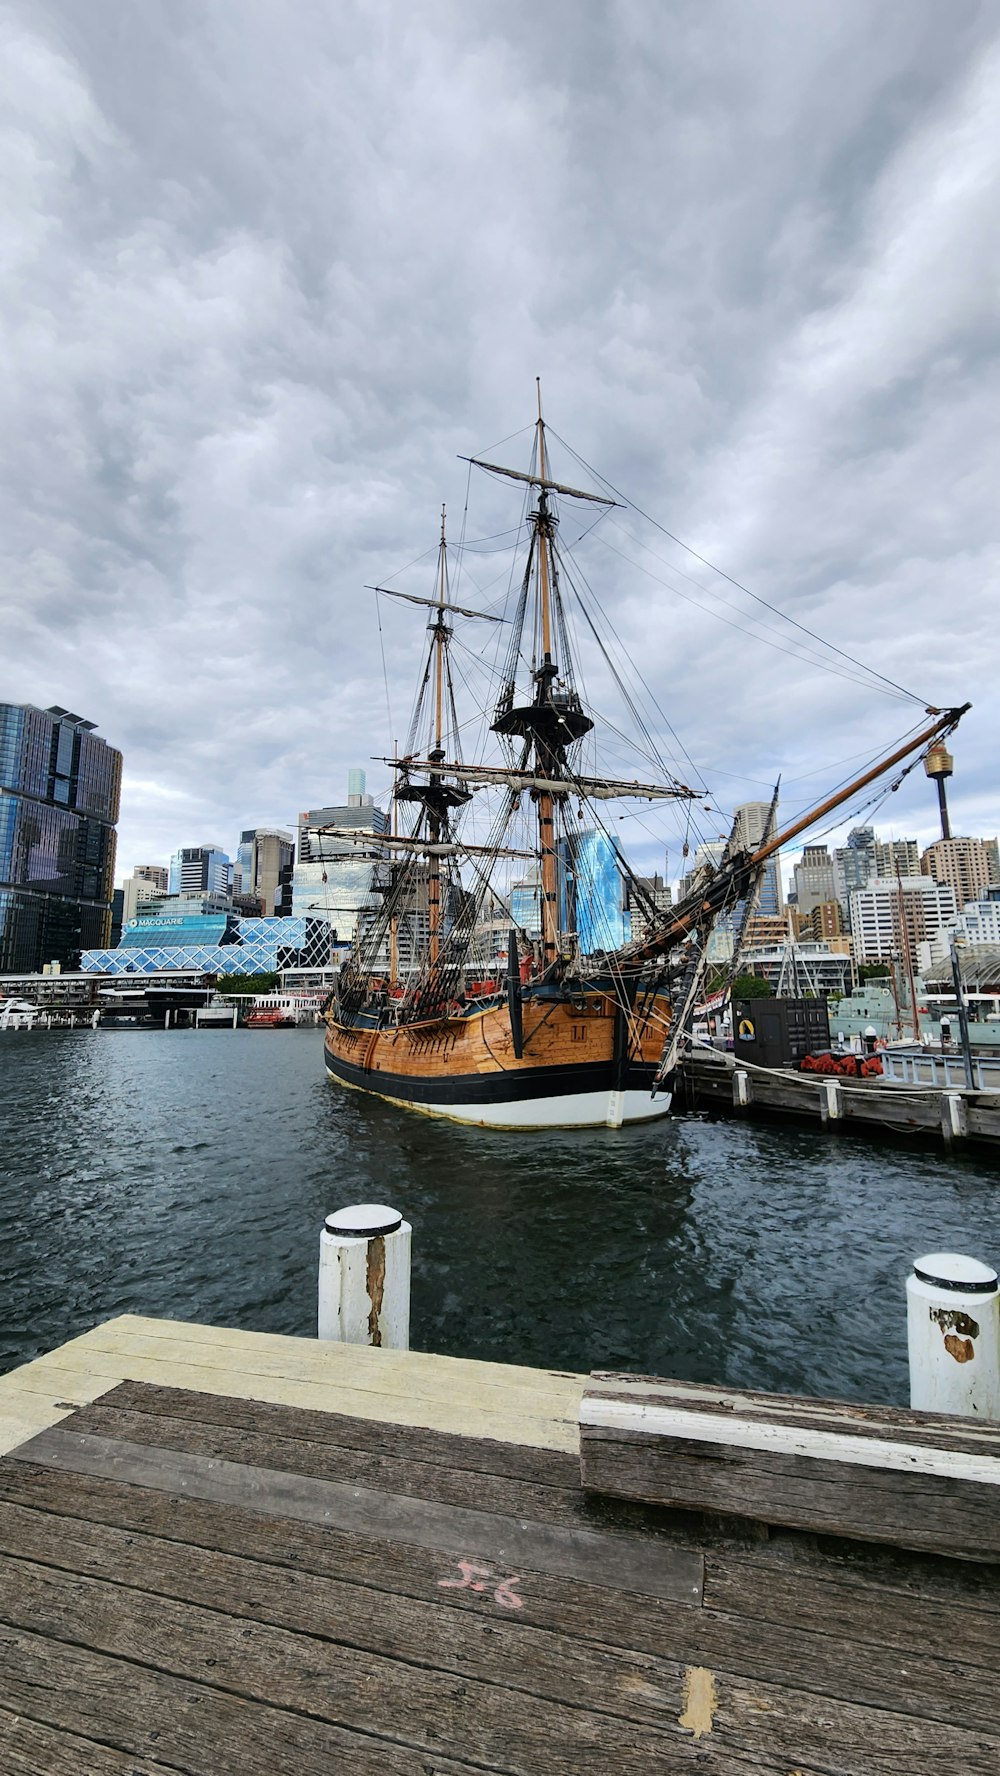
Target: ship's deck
[[268, 1555]]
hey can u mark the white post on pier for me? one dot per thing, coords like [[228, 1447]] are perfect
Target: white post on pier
[[364, 1277], [953, 1335]]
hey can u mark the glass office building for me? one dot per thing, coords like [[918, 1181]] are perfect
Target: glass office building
[[60, 786], [215, 944], [200, 869]]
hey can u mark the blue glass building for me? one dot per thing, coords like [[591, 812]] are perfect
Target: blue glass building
[[60, 786], [592, 892], [202, 869]]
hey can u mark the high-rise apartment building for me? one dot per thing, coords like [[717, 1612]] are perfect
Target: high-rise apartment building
[[826, 921], [813, 877], [897, 857], [853, 865], [969, 866], [708, 855], [200, 869], [894, 914], [146, 882], [60, 785], [648, 896]]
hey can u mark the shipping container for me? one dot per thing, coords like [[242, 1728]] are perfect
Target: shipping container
[[777, 1032]]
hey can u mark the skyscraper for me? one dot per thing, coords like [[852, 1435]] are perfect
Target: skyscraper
[[333, 878], [814, 878], [200, 869], [853, 864], [146, 881], [896, 913], [264, 852], [750, 823], [60, 786]]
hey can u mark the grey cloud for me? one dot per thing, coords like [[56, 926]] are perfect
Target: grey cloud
[[263, 283]]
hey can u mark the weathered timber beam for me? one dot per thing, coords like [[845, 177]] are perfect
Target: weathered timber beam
[[903, 1481]]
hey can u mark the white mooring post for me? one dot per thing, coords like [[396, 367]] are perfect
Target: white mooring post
[[831, 1108], [364, 1277], [953, 1334]]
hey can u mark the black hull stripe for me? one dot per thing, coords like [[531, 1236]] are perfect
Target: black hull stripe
[[515, 1087]]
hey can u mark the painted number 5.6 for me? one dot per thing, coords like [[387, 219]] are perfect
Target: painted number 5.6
[[483, 1578]]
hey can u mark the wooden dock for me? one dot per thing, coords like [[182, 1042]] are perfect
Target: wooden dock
[[713, 1081], [230, 1551]]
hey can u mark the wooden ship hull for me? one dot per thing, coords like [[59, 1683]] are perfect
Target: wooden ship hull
[[583, 1064]]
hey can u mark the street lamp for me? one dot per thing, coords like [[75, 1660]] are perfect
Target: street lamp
[[957, 942]]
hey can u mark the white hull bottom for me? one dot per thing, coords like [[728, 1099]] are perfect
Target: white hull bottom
[[596, 1109]]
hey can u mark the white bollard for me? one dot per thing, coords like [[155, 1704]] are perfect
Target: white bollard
[[830, 1105], [364, 1277], [953, 1336], [954, 1116]]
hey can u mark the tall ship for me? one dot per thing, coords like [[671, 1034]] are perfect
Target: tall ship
[[513, 970]]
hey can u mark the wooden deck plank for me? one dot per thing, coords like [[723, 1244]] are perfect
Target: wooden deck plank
[[511, 1403], [272, 1353], [192, 1726], [913, 1510], [488, 1723], [381, 1464], [790, 1594], [404, 1408], [500, 1645], [634, 1621], [812, 1465], [598, 1557], [418, 1706], [812, 1654], [451, 1449], [878, 1422], [28, 1748]]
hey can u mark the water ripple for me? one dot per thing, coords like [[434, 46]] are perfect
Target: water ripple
[[186, 1174]]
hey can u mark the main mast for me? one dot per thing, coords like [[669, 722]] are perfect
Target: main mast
[[440, 634], [544, 678], [554, 718]]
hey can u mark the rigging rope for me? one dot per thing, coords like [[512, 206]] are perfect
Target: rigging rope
[[757, 598]]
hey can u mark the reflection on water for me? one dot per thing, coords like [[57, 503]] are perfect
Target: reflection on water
[[187, 1174]]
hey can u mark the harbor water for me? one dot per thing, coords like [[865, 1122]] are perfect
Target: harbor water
[[187, 1174]]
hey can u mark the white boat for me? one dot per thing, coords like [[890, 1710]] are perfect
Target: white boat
[[218, 1014], [18, 1014], [284, 1011]]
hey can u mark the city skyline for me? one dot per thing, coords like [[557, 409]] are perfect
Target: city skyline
[[752, 264]]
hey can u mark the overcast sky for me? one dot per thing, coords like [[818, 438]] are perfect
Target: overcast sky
[[270, 265]]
